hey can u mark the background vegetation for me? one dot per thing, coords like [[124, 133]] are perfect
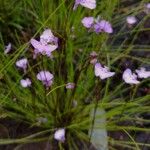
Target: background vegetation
[[126, 106]]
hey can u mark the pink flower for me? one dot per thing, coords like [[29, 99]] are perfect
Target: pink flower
[[22, 63], [103, 26], [91, 4], [59, 135], [47, 44], [8, 48], [46, 77], [97, 25], [87, 22], [130, 77], [43, 49], [142, 73], [48, 37], [103, 72], [70, 85], [25, 82], [131, 20]]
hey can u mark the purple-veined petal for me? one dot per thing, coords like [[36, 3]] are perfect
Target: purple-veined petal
[[47, 83], [22, 63], [103, 26], [46, 77]]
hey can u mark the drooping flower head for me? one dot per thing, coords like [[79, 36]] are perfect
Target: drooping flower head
[[46, 77], [88, 22], [8, 48], [93, 57], [103, 26], [59, 135], [22, 63], [129, 77], [91, 4], [131, 20], [25, 82], [103, 72], [142, 73], [70, 85]]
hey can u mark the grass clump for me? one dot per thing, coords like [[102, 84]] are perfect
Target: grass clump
[[47, 102]]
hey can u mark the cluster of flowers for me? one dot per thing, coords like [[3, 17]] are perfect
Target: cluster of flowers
[[104, 72], [97, 25], [45, 46], [48, 43], [128, 76]]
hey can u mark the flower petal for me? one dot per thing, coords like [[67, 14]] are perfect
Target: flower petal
[[129, 78], [87, 22], [59, 135], [142, 73], [91, 4], [103, 72], [22, 63], [131, 20], [25, 82], [8, 48]]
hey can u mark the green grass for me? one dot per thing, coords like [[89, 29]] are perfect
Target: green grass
[[22, 20]]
